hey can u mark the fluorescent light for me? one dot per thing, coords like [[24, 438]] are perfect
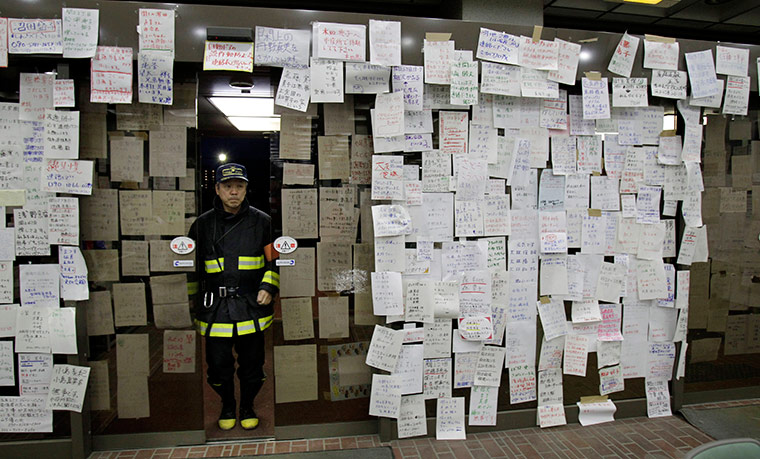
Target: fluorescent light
[[244, 106], [255, 123], [646, 2]]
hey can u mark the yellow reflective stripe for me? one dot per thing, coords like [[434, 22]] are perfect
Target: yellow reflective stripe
[[265, 322], [192, 288], [272, 277], [245, 328], [251, 262], [221, 330], [214, 266], [202, 326]]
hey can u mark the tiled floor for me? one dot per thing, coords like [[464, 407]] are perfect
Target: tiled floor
[[669, 437]]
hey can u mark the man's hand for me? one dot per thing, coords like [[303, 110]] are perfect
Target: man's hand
[[264, 297]]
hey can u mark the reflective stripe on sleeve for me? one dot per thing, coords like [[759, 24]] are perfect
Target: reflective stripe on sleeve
[[214, 266], [272, 277], [265, 322], [192, 288], [250, 262]]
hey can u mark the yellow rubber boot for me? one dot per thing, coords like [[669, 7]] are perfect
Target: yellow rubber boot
[[248, 419]]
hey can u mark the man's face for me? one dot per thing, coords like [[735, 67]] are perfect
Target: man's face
[[232, 193]]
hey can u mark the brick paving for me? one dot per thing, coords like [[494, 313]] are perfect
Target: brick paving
[[670, 437]]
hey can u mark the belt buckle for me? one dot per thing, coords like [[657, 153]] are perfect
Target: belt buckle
[[222, 292]]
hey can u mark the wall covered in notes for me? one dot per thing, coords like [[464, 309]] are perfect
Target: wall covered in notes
[[489, 231], [93, 193], [511, 234]]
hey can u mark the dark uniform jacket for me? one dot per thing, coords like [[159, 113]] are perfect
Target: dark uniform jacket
[[234, 263]]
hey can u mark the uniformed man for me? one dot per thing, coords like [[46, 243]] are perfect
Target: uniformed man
[[238, 282]]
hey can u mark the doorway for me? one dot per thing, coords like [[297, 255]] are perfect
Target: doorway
[[221, 142]]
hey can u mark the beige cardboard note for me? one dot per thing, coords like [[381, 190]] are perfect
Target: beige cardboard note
[[179, 351], [135, 212], [172, 315], [168, 289], [740, 130], [339, 118], [98, 387], [361, 159], [92, 136], [334, 266], [99, 314], [12, 197], [299, 213], [132, 355], [297, 318], [162, 258], [333, 317], [334, 163], [741, 172], [167, 150], [169, 213], [300, 278], [187, 183], [295, 373], [704, 350], [132, 400], [126, 159], [99, 215], [190, 207], [295, 137], [102, 265], [364, 264], [138, 117], [134, 258], [338, 216], [164, 183], [129, 306], [298, 174], [182, 111]]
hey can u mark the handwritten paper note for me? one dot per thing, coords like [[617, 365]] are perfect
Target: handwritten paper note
[[731, 61], [670, 84], [704, 82], [25, 414], [661, 55], [67, 387], [498, 46], [596, 99], [156, 30], [36, 94], [621, 62], [287, 48], [326, 80], [345, 42], [3, 42], [384, 348], [111, 71], [385, 42], [439, 55], [224, 55], [73, 273], [449, 419], [539, 55], [179, 351], [35, 36], [80, 32], [67, 176], [155, 77]]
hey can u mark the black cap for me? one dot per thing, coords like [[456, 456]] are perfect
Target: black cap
[[231, 171]]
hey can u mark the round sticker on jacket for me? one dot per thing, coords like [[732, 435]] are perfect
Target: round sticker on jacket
[[285, 244], [182, 245]]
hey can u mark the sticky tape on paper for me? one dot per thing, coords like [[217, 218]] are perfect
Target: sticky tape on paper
[[537, 30], [437, 36], [596, 76], [659, 39], [595, 212]]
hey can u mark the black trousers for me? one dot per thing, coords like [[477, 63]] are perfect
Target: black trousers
[[250, 359]]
